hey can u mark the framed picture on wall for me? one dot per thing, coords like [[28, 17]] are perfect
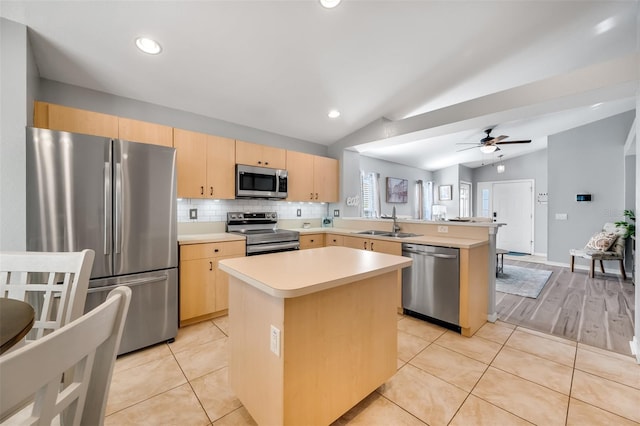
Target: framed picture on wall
[[397, 190], [444, 192]]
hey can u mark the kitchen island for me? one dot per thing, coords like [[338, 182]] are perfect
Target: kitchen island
[[311, 332]]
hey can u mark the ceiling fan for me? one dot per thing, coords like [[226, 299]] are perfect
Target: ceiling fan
[[489, 144]]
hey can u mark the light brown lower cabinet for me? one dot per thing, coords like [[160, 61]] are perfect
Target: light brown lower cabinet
[[204, 288], [309, 241], [333, 240], [380, 246]]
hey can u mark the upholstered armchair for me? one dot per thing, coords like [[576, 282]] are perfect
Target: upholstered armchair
[[606, 245]]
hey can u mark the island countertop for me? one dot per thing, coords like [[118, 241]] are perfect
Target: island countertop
[[298, 273]]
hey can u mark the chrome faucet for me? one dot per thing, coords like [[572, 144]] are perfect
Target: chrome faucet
[[396, 227]]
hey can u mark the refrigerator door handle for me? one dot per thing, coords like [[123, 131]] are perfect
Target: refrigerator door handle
[[132, 283], [107, 208], [118, 209]]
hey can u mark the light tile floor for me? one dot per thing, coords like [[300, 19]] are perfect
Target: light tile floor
[[504, 375]]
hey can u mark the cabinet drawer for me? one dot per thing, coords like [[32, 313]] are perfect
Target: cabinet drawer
[[334, 240], [201, 251], [311, 241]]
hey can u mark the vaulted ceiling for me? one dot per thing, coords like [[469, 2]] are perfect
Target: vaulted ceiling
[[410, 78]]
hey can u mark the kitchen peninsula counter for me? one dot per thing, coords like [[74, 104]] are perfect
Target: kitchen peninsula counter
[[311, 332]]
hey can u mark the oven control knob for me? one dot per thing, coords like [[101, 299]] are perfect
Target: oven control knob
[[233, 216], [240, 216]]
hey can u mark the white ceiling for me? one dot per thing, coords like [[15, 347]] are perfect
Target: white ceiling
[[411, 78]]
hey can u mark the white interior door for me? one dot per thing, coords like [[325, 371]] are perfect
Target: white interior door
[[513, 205]]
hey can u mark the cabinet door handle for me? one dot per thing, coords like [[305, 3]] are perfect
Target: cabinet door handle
[[316, 195], [365, 245], [211, 190], [202, 190], [211, 266], [312, 240], [266, 163], [371, 245], [311, 195], [216, 250], [259, 162]]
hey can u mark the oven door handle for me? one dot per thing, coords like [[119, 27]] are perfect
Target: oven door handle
[[259, 248]]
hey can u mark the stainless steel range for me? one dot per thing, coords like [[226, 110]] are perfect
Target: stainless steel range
[[262, 233]]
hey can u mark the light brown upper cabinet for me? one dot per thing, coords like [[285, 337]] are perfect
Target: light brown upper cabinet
[[206, 165], [145, 132], [66, 119], [311, 177], [253, 154]]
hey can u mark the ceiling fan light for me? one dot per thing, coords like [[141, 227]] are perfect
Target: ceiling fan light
[[488, 149]]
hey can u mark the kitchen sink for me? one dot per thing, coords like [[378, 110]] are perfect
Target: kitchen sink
[[400, 234], [373, 232]]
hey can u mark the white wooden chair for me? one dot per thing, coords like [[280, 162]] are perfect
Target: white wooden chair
[[55, 284], [88, 347]]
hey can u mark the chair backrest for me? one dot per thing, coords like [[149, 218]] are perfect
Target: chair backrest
[[87, 346], [55, 284]]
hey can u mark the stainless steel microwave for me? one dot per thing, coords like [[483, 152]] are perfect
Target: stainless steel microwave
[[260, 182]]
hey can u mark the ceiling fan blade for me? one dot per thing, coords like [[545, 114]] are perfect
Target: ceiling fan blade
[[465, 149], [507, 142], [499, 138], [468, 143]]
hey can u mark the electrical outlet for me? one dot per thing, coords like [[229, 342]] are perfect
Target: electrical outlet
[[193, 213], [275, 340], [336, 213], [299, 212], [443, 229]]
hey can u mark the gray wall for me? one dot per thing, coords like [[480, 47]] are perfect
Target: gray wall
[[395, 170], [587, 159], [448, 176], [16, 66], [92, 100], [530, 166]]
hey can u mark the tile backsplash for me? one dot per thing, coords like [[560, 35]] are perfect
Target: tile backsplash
[[216, 210]]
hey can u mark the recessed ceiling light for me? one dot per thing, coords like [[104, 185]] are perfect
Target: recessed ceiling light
[[329, 4], [334, 113], [148, 45]]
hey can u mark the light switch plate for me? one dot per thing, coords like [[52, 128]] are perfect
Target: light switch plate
[[336, 213], [193, 213], [299, 212]]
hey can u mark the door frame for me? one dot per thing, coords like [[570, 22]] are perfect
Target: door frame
[[489, 185]]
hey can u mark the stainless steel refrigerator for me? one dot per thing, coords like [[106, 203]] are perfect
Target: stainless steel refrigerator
[[119, 199]]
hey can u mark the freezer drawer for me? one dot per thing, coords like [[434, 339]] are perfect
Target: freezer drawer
[[153, 312]]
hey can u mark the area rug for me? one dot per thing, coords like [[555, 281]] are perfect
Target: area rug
[[522, 281]]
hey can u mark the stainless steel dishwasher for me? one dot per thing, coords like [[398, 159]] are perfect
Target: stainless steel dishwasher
[[431, 286]]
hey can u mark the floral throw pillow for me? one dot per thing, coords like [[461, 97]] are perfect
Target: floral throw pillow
[[602, 241]]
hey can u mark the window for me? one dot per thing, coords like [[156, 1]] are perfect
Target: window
[[485, 203], [370, 194]]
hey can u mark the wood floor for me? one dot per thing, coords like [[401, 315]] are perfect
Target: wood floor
[[596, 311]]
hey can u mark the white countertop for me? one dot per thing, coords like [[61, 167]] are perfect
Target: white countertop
[[298, 273]]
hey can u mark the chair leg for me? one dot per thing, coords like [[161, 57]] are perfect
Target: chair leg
[[593, 264], [624, 275], [601, 266], [573, 258]]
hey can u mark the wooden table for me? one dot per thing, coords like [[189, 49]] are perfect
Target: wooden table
[[16, 319]]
